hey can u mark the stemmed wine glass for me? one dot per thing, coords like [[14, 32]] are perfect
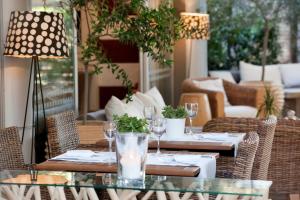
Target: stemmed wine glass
[[192, 110], [149, 113], [110, 129], [158, 127]]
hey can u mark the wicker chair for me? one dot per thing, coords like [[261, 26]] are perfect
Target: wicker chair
[[241, 166], [284, 165], [11, 156], [245, 157], [237, 95], [62, 133]]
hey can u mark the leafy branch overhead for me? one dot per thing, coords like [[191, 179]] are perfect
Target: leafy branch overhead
[[153, 31]]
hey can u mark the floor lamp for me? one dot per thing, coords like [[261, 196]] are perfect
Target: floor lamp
[[195, 27], [36, 35]]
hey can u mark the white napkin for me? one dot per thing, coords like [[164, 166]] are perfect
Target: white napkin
[[86, 156]]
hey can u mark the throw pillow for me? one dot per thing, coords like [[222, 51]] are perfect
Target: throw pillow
[[222, 74], [214, 85], [116, 107], [156, 96], [149, 101], [250, 72], [290, 74]]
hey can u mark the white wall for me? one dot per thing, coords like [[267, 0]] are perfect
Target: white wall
[[16, 75]]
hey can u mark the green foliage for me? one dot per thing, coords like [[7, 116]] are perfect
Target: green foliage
[[153, 31], [237, 34], [126, 124], [268, 107], [174, 113]]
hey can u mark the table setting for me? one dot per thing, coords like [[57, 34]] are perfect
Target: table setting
[[207, 163]]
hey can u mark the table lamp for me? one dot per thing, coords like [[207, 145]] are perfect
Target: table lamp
[[195, 27], [36, 35]]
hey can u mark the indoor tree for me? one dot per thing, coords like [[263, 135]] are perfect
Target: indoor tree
[[153, 31], [269, 10]]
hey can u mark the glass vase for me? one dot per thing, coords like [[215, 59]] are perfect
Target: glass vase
[[131, 153]]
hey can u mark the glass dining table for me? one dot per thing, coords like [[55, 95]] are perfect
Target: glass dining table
[[20, 184]]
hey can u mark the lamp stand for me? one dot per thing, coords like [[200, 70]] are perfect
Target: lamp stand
[[36, 88], [188, 70]]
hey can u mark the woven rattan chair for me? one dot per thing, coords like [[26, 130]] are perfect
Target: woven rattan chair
[[266, 131], [62, 133], [237, 95], [11, 156], [243, 163], [284, 166]]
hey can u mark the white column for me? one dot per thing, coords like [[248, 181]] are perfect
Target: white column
[[16, 75], [198, 55]]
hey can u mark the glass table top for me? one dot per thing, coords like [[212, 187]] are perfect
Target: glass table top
[[155, 183]]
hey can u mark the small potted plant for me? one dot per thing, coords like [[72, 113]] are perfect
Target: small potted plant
[[131, 148], [175, 121]]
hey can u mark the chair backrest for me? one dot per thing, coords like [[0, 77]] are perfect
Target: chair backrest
[[11, 156], [266, 131], [62, 133], [245, 156]]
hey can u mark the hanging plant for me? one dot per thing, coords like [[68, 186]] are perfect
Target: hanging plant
[[153, 31]]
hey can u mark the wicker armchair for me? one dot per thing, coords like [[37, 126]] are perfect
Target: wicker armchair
[[284, 165], [237, 95], [245, 157], [11, 156], [62, 133]]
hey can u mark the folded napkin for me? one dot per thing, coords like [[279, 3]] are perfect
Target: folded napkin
[[87, 156]]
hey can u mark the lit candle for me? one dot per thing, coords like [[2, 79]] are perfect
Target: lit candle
[[131, 165]]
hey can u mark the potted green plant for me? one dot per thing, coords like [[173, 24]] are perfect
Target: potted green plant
[[175, 121], [268, 107], [131, 148]]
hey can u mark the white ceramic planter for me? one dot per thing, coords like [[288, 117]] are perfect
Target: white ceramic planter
[[175, 128]]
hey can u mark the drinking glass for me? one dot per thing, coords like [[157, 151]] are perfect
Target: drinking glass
[[192, 110], [110, 129], [149, 112], [158, 126]]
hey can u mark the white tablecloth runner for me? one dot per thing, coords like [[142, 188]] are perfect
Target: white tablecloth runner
[[206, 163], [231, 138]]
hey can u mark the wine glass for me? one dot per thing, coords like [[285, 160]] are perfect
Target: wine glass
[[192, 110], [110, 129], [158, 126], [149, 113]]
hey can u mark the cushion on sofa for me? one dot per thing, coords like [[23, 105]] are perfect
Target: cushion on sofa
[[214, 85], [116, 107], [240, 111], [222, 74], [149, 101], [250, 72], [290, 74], [156, 96]]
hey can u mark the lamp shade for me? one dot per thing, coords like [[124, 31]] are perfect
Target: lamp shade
[[195, 25], [39, 34]]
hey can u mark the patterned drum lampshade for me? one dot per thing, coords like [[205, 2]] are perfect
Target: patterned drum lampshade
[[40, 34], [195, 25]]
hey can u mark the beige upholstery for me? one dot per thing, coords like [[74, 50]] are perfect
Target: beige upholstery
[[204, 113]]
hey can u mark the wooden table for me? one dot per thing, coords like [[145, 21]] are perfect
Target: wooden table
[[222, 148], [190, 171]]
